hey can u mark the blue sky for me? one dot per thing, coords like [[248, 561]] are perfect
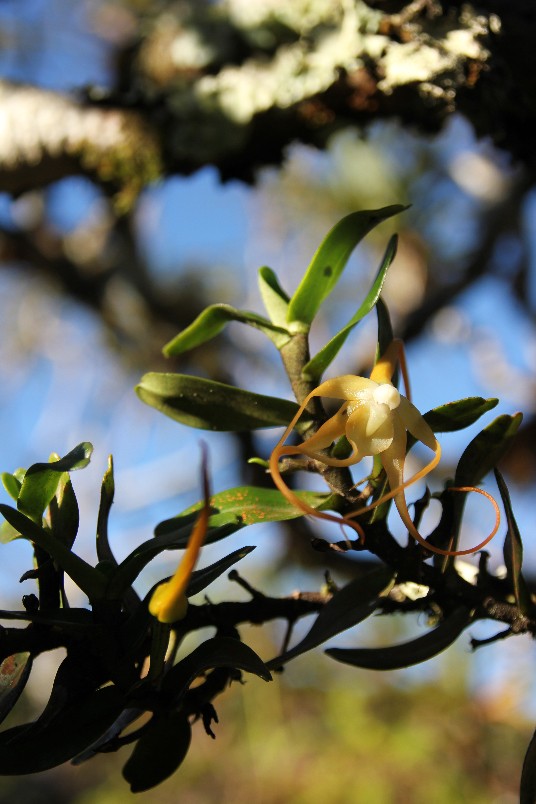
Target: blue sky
[[64, 386]]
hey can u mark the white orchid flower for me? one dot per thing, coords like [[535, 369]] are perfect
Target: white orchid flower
[[375, 418]]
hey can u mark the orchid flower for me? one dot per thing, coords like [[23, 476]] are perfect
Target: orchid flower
[[169, 602], [375, 418]]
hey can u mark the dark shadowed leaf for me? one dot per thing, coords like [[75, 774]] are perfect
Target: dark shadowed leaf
[[175, 537], [204, 577], [486, 449], [159, 751], [216, 652], [41, 480], [37, 747], [349, 606], [14, 673], [527, 792], [89, 579], [210, 405], [63, 512], [407, 653], [513, 551], [329, 262], [320, 362], [211, 322], [458, 415], [274, 297], [104, 551]]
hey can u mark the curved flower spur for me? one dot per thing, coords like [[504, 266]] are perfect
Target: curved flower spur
[[375, 418], [169, 601]]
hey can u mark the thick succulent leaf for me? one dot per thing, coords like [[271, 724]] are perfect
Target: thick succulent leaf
[[513, 551], [204, 577], [320, 362], [274, 297], [159, 751], [459, 414], [39, 746], [329, 262], [409, 653], [349, 606], [211, 322], [125, 719], [211, 405], [104, 551], [174, 537], [215, 652], [42, 479], [68, 620], [12, 485], [486, 449], [244, 505], [63, 511], [8, 533], [527, 792], [14, 673], [89, 579]]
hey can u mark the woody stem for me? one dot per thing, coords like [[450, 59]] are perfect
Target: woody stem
[[295, 356]]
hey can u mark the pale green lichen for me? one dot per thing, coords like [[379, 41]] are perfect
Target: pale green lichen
[[298, 70], [333, 38], [301, 16], [432, 60]]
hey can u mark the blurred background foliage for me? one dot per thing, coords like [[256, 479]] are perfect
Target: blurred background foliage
[[116, 230]]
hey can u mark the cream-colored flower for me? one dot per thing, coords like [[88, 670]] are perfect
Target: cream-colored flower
[[375, 418]]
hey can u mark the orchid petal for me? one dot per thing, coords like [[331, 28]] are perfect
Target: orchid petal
[[329, 432], [414, 422], [370, 429], [345, 387]]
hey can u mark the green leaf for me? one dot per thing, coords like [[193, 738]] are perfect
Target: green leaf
[[175, 537], [211, 405], [71, 620], [248, 505], [409, 653], [89, 579], [8, 533], [159, 751], [42, 479], [513, 551], [14, 673], [12, 485], [458, 415], [104, 551], [39, 746], [527, 793], [274, 297], [486, 449], [63, 511], [385, 330], [320, 362], [204, 577], [215, 652], [349, 606], [211, 322], [329, 262]]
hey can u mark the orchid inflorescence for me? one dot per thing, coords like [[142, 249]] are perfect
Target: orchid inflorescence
[[375, 418]]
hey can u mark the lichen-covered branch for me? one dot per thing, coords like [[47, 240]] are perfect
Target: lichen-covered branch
[[232, 85]]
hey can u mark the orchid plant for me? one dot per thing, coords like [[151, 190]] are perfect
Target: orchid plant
[[375, 418], [126, 659]]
